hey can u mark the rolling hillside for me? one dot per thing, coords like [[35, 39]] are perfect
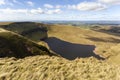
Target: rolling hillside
[[14, 45], [85, 54], [32, 30], [103, 42]]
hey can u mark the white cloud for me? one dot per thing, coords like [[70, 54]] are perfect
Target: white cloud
[[16, 1], [12, 11], [37, 11], [48, 6], [29, 11], [58, 6], [30, 3], [41, 11], [51, 6], [6, 3], [88, 6], [2, 2], [55, 11], [110, 1]]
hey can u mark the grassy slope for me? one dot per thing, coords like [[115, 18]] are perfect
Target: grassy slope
[[56, 68], [5, 23], [12, 44], [103, 42], [32, 30]]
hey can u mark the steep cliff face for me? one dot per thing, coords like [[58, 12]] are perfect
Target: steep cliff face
[[34, 31], [14, 45]]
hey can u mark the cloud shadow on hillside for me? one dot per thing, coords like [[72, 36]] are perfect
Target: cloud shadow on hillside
[[110, 40], [70, 50]]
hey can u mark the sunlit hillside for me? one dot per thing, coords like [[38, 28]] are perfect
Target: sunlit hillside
[[27, 29], [15, 45], [73, 53], [103, 41]]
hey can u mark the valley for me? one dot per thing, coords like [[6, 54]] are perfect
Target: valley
[[30, 50]]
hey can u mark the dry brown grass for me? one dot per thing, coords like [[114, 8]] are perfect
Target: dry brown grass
[[5, 23], [56, 68], [103, 41]]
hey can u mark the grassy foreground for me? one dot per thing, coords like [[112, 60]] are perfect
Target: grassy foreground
[[56, 68]]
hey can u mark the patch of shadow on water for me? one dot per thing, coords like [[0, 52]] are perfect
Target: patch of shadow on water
[[70, 50]]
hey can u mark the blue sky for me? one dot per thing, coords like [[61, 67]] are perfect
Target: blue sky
[[29, 10]]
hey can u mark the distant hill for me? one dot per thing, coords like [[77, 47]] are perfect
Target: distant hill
[[14, 45], [32, 30], [114, 30]]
